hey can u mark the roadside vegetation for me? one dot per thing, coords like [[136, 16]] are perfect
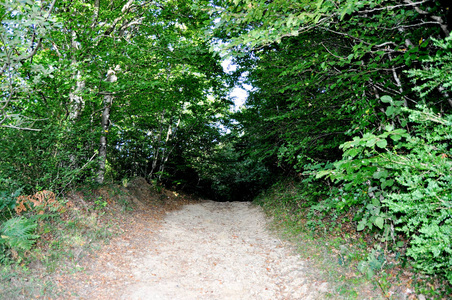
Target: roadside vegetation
[[351, 103], [42, 241], [43, 245], [356, 264], [345, 133]]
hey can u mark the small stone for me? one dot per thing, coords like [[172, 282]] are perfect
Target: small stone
[[323, 288]]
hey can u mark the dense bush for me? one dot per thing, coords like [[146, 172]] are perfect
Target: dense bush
[[404, 174], [406, 180], [52, 158]]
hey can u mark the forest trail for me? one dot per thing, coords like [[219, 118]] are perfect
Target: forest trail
[[208, 250]]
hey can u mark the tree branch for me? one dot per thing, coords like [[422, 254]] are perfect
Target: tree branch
[[434, 18], [19, 128], [345, 34], [331, 52], [391, 7], [96, 13]]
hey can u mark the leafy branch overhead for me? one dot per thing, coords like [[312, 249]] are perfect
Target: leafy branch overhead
[[353, 97], [349, 99]]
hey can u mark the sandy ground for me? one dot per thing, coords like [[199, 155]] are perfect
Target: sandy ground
[[217, 250], [209, 250]]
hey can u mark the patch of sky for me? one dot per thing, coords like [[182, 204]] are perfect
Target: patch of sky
[[239, 93]]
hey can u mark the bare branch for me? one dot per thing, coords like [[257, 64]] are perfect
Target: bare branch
[[20, 128], [52, 5], [7, 101], [56, 49], [391, 7], [340, 57], [420, 11], [419, 24], [5, 66], [434, 18], [389, 90], [135, 22], [96, 13], [126, 6], [345, 34], [386, 44], [35, 50]]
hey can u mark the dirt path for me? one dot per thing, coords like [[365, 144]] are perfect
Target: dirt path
[[208, 250]]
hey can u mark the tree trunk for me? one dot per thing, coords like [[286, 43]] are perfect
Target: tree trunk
[[105, 123], [76, 100], [166, 151]]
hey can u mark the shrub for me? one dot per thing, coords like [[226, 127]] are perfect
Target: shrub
[[18, 235], [409, 191]]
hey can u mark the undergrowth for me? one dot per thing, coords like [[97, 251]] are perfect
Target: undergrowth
[[38, 241], [357, 264]]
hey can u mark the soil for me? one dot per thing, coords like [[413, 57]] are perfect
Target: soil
[[204, 250]]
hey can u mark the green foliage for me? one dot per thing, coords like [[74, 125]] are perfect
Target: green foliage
[[49, 159], [408, 173], [168, 97], [374, 263], [229, 173], [318, 69], [437, 72], [100, 204], [24, 26], [321, 72], [7, 203], [18, 234], [407, 176], [333, 252], [295, 198], [324, 71]]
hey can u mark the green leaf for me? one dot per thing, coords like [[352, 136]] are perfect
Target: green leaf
[[376, 202], [361, 225], [391, 110], [382, 144], [387, 183], [381, 174], [352, 152], [379, 222], [370, 273], [371, 142], [396, 137], [386, 99], [323, 173]]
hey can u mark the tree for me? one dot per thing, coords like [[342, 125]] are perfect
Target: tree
[[320, 68], [24, 26], [126, 77], [336, 95]]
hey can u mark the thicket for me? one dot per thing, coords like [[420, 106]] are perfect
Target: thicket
[[100, 92], [402, 177], [353, 98]]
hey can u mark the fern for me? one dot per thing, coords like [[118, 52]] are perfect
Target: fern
[[18, 233]]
